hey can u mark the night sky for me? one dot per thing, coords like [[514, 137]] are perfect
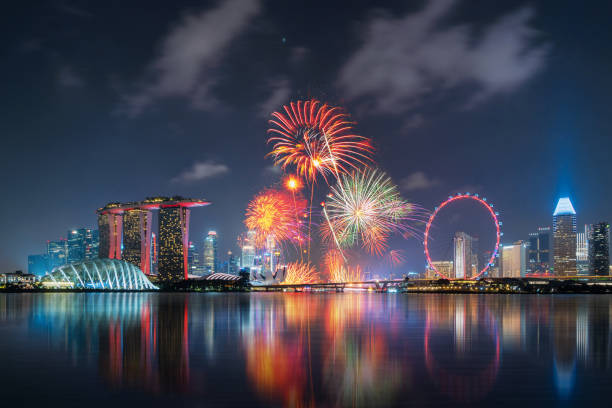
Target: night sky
[[117, 101]]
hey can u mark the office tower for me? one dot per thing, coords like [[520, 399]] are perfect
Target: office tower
[[232, 264], [137, 238], [38, 264], [443, 267], [564, 238], [210, 252], [582, 251], [248, 250], [193, 259], [539, 251], [57, 253], [110, 228], [514, 260], [76, 245], [92, 243], [462, 255], [173, 242], [599, 249]]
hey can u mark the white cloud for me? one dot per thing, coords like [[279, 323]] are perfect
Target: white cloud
[[201, 171], [281, 90], [185, 66], [405, 59], [67, 77], [418, 181]]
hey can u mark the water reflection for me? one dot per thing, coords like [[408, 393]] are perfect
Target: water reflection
[[357, 350]]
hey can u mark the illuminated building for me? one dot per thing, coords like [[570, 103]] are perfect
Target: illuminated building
[[193, 260], [92, 243], [210, 252], [105, 274], [599, 249], [539, 251], [137, 238], [170, 246], [248, 251], [564, 238], [232, 264], [110, 227], [153, 253], [582, 251], [57, 253], [514, 260], [76, 245], [38, 264], [462, 255], [444, 267]]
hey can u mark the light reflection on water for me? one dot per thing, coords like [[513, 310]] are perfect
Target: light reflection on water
[[357, 350]]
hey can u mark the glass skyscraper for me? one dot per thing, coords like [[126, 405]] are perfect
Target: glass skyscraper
[[564, 238], [539, 251], [57, 253], [463, 255], [599, 249], [210, 252]]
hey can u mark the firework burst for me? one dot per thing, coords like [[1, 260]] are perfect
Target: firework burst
[[340, 271], [299, 273], [317, 139], [277, 214], [365, 208]]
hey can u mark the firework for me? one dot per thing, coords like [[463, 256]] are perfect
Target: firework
[[395, 257], [317, 139], [293, 183], [365, 208], [339, 271], [278, 215], [300, 272]]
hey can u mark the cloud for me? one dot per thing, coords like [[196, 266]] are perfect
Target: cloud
[[189, 54], [418, 181], [68, 78], [201, 171], [70, 9], [281, 90], [406, 59]]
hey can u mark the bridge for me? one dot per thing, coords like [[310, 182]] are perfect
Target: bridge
[[372, 285]]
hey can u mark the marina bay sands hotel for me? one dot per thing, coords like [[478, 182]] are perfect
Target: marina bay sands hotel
[[125, 233]]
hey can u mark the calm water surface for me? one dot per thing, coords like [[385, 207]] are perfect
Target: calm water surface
[[315, 350]]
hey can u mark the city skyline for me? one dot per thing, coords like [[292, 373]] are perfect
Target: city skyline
[[221, 144]]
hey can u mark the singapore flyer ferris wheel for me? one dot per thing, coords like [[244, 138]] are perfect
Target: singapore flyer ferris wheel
[[446, 204]]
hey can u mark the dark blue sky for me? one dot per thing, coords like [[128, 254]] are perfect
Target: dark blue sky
[[104, 101]]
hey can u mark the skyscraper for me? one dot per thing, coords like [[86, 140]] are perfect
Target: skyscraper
[[57, 253], [514, 260], [210, 252], [564, 238], [232, 263], [92, 243], [193, 259], [137, 238], [599, 249], [76, 245], [173, 242], [110, 227], [248, 250], [539, 251], [582, 250], [38, 264], [462, 261]]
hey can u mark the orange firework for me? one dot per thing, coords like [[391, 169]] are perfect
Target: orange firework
[[293, 183], [339, 271], [317, 139], [300, 272], [276, 214]]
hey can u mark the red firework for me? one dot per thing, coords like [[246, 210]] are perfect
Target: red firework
[[317, 139]]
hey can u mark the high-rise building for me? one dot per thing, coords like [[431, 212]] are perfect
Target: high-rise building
[[564, 238], [153, 253], [76, 245], [137, 238], [232, 264], [92, 243], [173, 242], [514, 260], [463, 255], [247, 258], [57, 253], [582, 251], [599, 249], [38, 264], [110, 227], [210, 252], [539, 251], [193, 259]]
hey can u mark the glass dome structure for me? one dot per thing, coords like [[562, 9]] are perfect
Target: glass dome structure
[[105, 274]]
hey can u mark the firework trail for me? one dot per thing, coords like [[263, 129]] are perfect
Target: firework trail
[[299, 273], [277, 214], [318, 140], [366, 208], [338, 269]]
